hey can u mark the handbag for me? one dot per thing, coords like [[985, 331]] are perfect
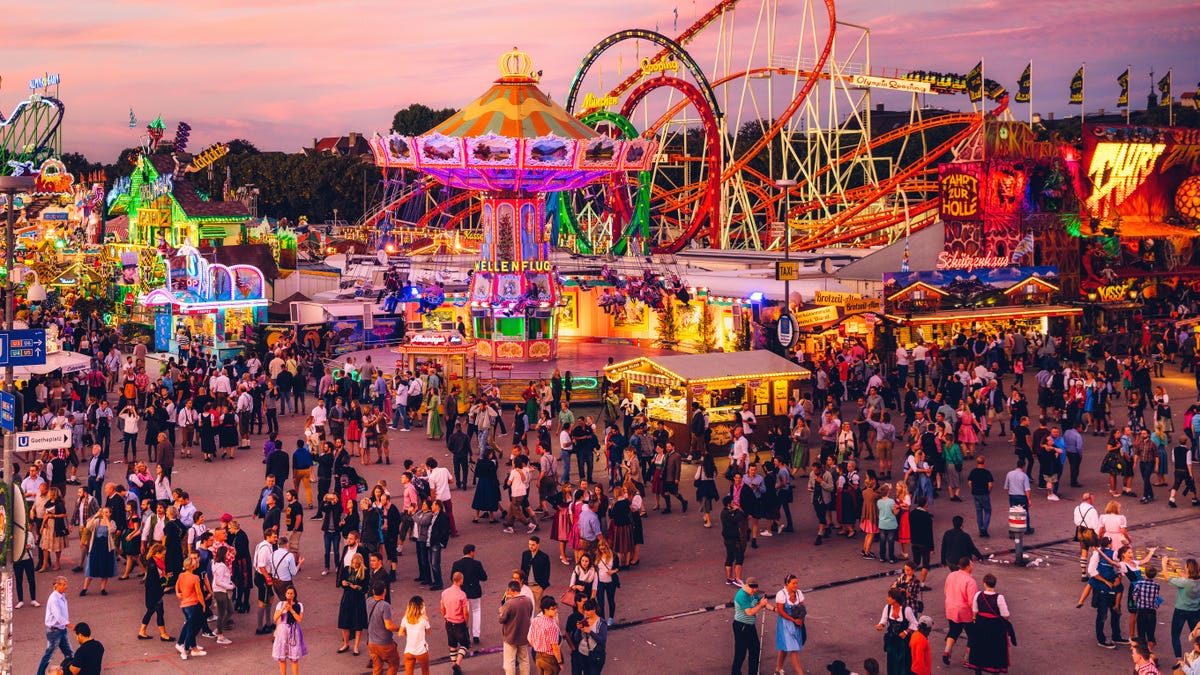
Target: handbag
[[568, 597]]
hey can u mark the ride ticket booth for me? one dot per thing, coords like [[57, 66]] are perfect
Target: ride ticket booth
[[447, 349], [666, 386]]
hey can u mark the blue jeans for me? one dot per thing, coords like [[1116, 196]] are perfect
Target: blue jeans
[[484, 435], [1022, 500], [887, 544], [331, 547], [187, 632], [423, 562], [983, 512], [435, 565], [55, 637], [564, 456], [400, 414]]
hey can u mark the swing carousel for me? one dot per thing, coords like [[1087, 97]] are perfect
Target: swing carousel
[[514, 146]]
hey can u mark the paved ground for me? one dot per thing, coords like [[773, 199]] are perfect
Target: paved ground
[[665, 606]]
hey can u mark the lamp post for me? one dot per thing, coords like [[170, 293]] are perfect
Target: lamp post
[[10, 187], [785, 185]]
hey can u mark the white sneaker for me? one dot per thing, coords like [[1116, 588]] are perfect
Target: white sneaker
[[183, 655], [198, 652], [224, 640], [532, 528], [19, 605], [765, 533], [1052, 497], [508, 530], [324, 572], [179, 648], [35, 603]]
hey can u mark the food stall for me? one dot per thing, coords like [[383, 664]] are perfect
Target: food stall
[[214, 305], [666, 386], [449, 350]]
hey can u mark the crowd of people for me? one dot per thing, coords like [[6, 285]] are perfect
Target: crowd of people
[[943, 409]]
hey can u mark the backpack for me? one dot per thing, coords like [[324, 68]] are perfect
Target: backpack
[[421, 484]]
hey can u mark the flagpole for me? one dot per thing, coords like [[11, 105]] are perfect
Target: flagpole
[[1128, 72], [1031, 94], [1170, 97], [1082, 98], [982, 79]]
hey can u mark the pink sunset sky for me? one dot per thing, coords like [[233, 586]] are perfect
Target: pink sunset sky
[[280, 72]]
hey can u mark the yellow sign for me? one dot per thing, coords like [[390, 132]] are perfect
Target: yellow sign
[[594, 101], [835, 298], [210, 155], [811, 317], [861, 306], [787, 270], [663, 66], [513, 266]]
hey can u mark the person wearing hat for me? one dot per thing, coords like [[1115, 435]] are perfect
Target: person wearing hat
[[918, 647], [838, 667], [747, 603]]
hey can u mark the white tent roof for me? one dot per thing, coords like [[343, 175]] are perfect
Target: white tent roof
[[68, 362]]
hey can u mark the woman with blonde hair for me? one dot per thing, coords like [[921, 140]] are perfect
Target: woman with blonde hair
[[415, 628], [352, 613], [1114, 525], [54, 528], [102, 551]]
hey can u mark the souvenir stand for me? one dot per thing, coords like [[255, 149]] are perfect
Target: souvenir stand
[[209, 303], [666, 386]]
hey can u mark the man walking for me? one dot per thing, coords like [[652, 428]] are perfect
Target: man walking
[[544, 637], [58, 623], [473, 575], [747, 603], [381, 641], [981, 480], [960, 590], [535, 564], [1073, 440], [674, 469], [457, 613], [1016, 483], [516, 611]]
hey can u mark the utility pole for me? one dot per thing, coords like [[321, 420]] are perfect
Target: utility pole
[[10, 187]]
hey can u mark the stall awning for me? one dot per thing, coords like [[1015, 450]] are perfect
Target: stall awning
[[67, 362], [989, 314], [716, 366]]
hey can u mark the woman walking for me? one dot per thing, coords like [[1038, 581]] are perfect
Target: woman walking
[[289, 644], [1187, 603], [790, 633], [352, 612], [227, 432], [584, 578], [897, 623], [608, 581], [436, 410], [54, 529], [131, 541], [154, 594], [989, 636], [620, 527], [487, 487], [706, 487], [868, 520], [102, 551], [191, 603], [415, 629]]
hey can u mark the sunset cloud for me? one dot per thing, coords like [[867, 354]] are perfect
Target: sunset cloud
[[279, 72]]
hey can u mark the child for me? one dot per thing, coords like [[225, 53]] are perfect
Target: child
[[270, 446], [1146, 599]]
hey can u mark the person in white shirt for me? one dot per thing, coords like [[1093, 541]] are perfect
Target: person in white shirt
[[219, 386], [1087, 517], [439, 488], [740, 453], [31, 483], [749, 421], [566, 447], [319, 417], [58, 622], [222, 587]]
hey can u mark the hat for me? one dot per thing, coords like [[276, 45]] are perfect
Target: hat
[[226, 518], [751, 582], [925, 620], [838, 668]]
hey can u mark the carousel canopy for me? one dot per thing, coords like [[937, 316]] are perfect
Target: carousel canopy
[[514, 138]]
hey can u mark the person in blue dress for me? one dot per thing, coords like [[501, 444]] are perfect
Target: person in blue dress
[[790, 633], [102, 551]]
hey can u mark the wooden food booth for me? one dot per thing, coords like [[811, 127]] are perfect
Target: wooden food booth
[[448, 349], [665, 387]]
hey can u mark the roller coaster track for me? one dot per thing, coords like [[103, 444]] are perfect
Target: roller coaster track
[[26, 134]]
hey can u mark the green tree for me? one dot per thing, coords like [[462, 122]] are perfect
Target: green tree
[[668, 328], [707, 329], [418, 118]]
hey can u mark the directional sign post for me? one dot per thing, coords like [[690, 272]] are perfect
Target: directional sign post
[[8, 412], [36, 441], [22, 348]]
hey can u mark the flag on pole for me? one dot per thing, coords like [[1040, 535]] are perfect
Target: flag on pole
[[1025, 84], [1123, 98], [904, 263], [676, 19], [1077, 88], [132, 119], [1164, 88], [975, 83]]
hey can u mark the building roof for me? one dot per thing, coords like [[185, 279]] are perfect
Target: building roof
[[188, 198], [354, 145], [514, 110], [924, 245], [258, 255], [759, 363]]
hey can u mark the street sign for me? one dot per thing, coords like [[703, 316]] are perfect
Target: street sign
[[8, 412], [33, 441], [786, 331], [22, 348], [787, 270]]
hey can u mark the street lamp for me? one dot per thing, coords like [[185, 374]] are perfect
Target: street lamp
[[10, 187], [785, 185]]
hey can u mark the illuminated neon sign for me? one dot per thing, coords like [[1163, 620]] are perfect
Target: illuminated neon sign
[[43, 82], [513, 266], [161, 187], [211, 154], [593, 101], [668, 64], [1116, 170]]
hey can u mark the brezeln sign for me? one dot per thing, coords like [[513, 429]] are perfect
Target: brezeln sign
[[861, 306]]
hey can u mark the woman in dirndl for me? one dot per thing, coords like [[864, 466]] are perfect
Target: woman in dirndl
[[637, 511], [289, 646], [989, 635], [869, 520], [790, 633], [563, 523], [620, 528]]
